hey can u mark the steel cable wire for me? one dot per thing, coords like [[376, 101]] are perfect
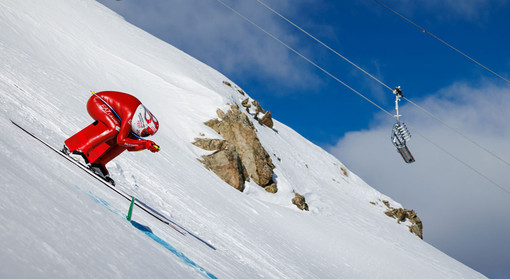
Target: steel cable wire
[[363, 96]]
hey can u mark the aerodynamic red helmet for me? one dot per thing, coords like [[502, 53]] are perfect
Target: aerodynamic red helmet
[[144, 123]]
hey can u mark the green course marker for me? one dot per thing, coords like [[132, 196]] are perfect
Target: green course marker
[[130, 212]]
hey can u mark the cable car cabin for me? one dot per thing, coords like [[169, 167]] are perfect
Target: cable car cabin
[[399, 136]]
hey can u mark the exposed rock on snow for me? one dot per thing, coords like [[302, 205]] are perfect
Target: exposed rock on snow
[[299, 201], [245, 103], [272, 188], [262, 116], [258, 107], [402, 214], [225, 162], [240, 155], [234, 87], [210, 144], [267, 120]]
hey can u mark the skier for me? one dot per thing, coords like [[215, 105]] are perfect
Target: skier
[[120, 123]]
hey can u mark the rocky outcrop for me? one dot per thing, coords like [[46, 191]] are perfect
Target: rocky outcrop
[[245, 104], [258, 108], [267, 120], [300, 202], [271, 188], [240, 156], [210, 144], [402, 215], [262, 116], [225, 162]]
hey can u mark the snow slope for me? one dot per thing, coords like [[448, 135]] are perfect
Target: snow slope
[[58, 222]]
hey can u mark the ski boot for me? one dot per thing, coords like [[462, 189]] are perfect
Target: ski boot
[[102, 172], [76, 155]]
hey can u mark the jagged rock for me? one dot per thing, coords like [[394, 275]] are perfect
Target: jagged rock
[[344, 171], [402, 214], [245, 103], [267, 120], [212, 122], [300, 202], [239, 132], [210, 144], [387, 203], [227, 165], [230, 85], [221, 115], [258, 108], [241, 140], [417, 227], [272, 188]]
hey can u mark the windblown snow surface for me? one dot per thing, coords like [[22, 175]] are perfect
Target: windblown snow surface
[[58, 222]]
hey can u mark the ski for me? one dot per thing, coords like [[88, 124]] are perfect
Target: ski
[[137, 202]]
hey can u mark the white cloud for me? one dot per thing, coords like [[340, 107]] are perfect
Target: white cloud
[[214, 34], [464, 214]]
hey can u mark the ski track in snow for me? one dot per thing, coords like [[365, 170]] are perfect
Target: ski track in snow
[[146, 230]]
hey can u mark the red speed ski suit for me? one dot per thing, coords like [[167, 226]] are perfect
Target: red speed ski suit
[[121, 121]]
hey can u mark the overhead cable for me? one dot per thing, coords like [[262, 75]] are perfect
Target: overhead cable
[[462, 162], [304, 57], [457, 131], [325, 45], [442, 41], [352, 89], [385, 85]]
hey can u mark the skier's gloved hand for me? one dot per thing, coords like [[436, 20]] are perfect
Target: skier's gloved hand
[[152, 146]]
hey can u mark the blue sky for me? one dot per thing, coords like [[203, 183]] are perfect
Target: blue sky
[[363, 31], [449, 197]]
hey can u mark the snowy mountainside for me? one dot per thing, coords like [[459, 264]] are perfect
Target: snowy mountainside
[[57, 222]]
